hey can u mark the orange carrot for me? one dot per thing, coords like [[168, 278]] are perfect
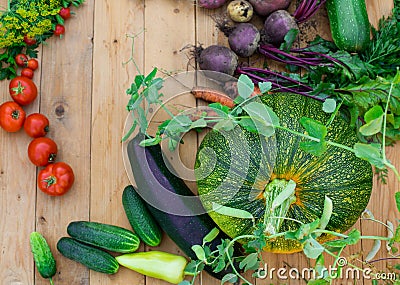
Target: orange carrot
[[214, 96]]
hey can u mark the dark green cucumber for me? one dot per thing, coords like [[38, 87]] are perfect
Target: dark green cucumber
[[349, 24], [42, 255], [140, 218], [109, 237], [166, 196], [91, 257]]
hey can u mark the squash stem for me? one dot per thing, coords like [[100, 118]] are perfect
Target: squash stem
[[279, 195]]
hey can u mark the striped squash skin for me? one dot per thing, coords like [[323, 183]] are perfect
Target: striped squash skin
[[224, 178]]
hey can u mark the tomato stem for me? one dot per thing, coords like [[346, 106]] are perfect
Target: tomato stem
[[19, 89], [15, 114], [50, 180]]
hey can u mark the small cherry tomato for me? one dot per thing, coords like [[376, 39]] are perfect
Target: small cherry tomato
[[12, 116], [36, 125], [42, 151], [27, 72], [65, 13], [21, 60], [22, 90], [32, 63], [29, 41], [56, 179], [59, 30]]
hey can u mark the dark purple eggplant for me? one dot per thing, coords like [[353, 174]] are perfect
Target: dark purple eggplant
[[171, 202]]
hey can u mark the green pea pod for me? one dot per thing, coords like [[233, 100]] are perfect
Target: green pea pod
[[161, 265]]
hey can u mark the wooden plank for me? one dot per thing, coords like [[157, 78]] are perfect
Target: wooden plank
[[113, 21], [66, 100], [17, 196]]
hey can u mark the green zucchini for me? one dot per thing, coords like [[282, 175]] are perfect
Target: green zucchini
[[349, 24], [109, 237], [42, 255], [91, 257], [140, 218]]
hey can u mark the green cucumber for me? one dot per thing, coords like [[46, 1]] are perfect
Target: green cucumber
[[140, 218], [44, 259], [349, 24], [91, 257], [109, 237]]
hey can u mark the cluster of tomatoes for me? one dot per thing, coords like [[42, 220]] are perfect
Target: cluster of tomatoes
[[56, 178]]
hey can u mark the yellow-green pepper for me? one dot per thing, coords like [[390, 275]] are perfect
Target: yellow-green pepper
[[162, 265]]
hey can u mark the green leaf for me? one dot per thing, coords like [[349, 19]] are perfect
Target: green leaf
[[139, 79], [371, 153], [199, 251], [352, 238], [226, 124], [329, 106], [316, 130], [151, 75], [142, 120], [211, 235], [264, 87], [232, 212], [152, 141], [230, 277], [373, 113], [396, 236], [313, 249], [220, 109], [248, 124], [284, 195], [397, 197], [200, 123], [245, 88], [305, 230], [264, 118], [374, 120], [179, 124], [250, 262], [220, 265]]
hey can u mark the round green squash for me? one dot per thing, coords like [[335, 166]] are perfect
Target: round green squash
[[243, 170]]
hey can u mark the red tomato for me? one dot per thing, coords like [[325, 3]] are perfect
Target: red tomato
[[59, 30], [42, 151], [36, 125], [21, 60], [65, 13], [56, 179], [32, 64], [12, 116], [22, 90], [27, 72], [29, 41]]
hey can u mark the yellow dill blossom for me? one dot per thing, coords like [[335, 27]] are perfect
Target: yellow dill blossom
[[27, 17]]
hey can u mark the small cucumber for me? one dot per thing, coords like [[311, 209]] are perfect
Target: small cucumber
[[91, 257], [349, 23], [105, 236], [140, 218], [42, 255]]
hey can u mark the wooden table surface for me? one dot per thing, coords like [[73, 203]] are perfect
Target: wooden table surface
[[82, 83]]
